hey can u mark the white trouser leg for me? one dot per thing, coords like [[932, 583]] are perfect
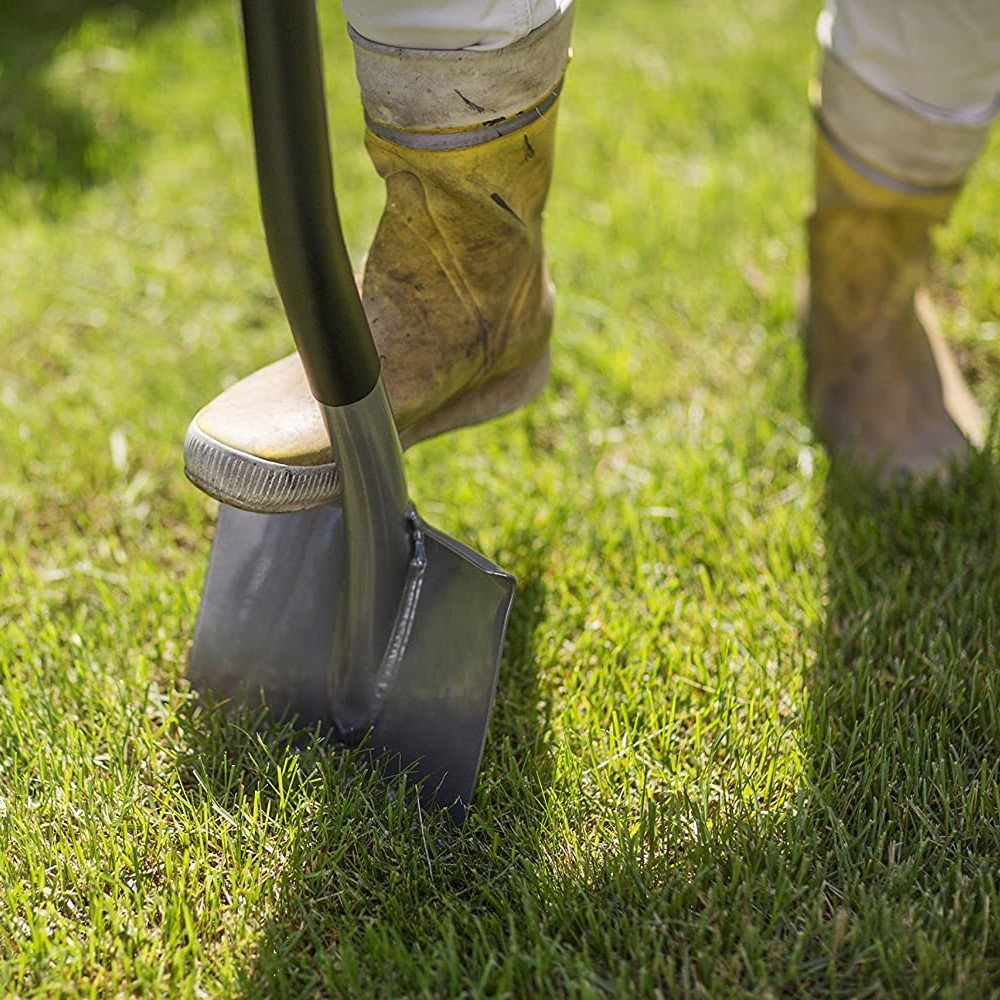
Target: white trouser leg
[[449, 24], [910, 87], [940, 58]]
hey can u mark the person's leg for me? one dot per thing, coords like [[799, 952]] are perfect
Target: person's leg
[[455, 287], [908, 91]]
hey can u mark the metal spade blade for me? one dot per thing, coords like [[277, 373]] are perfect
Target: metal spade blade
[[267, 629]]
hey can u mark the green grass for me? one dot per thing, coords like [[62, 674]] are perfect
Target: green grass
[[747, 733]]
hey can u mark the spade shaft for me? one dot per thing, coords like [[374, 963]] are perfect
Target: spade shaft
[[316, 283], [378, 553], [297, 201]]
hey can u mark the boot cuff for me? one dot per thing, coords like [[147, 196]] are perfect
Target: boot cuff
[[898, 146], [437, 90]]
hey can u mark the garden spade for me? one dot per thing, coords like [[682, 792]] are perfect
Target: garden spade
[[357, 617]]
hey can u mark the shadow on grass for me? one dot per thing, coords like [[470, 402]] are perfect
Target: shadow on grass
[[902, 733], [877, 875], [49, 140]]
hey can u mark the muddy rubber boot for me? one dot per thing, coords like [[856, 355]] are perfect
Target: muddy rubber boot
[[455, 285], [884, 390]]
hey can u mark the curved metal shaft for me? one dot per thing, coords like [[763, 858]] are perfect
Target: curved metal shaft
[[378, 553]]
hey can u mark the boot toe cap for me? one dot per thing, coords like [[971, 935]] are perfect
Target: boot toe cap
[[262, 445]]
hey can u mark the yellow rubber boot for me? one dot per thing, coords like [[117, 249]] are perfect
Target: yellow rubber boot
[[884, 390], [455, 285]]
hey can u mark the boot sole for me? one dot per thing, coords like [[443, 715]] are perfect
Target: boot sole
[[262, 486]]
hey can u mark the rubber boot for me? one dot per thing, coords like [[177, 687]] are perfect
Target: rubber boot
[[455, 285], [883, 388]]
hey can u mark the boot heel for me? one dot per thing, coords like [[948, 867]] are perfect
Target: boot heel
[[503, 395]]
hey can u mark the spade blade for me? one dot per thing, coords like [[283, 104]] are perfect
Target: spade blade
[[267, 632]]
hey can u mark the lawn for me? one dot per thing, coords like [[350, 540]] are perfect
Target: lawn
[[747, 732]]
